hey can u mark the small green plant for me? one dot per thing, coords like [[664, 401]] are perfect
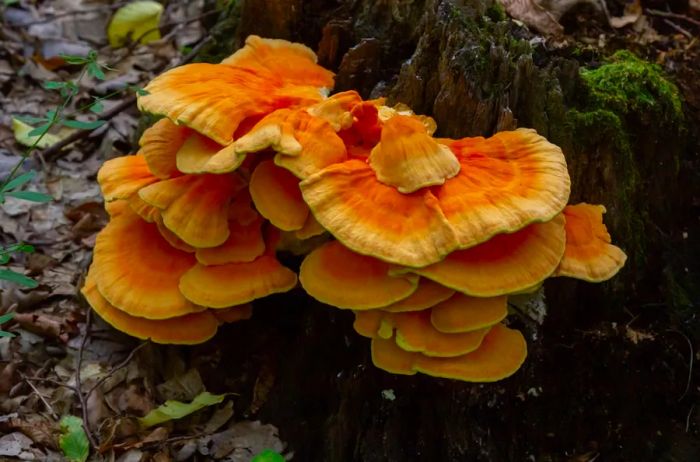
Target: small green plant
[[4, 319], [73, 440], [34, 133]]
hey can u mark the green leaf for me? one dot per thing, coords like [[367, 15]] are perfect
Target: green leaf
[[268, 455], [137, 20], [74, 59], [31, 119], [94, 70], [73, 441], [4, 333], [172, 410], [31, 196], [83, 125], [97, 107], [19, 181], [54, 85], [17, 278], [6, 317]]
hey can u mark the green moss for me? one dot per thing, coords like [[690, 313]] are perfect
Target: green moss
[[628, 84], [496, 12]]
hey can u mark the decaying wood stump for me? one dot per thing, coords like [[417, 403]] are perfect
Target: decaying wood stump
[[589, 385]]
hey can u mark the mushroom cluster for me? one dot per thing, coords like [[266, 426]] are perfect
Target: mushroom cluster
[[424, 238]]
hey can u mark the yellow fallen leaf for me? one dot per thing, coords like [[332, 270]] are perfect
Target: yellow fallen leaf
[[21, 132], [173, 410], [136, 21]]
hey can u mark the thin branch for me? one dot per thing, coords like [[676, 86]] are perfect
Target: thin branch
[[691, 359], [41, 397], [679, 28], [667, 14], [119, 366]]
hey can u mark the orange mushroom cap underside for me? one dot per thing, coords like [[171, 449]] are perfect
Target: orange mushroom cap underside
[[500, 355], [335, 275], [506, 263]]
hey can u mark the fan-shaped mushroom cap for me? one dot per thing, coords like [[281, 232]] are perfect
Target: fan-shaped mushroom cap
[[137, 271], [159, 144], [376, 219], [122, 177], [310, 229], [276, 195], [195, 207], [146, 211], [589, 255], [231, 284], [506, 263], [428, 293], [462, 313], [188, 329], [244, 244], [414, 332], [294, 63], [335, 275], [506, 182], [171, 237], [304, 144], [214, 99], [410, 159], [501, 354]]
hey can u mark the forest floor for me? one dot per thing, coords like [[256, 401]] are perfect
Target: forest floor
[[63, 361]]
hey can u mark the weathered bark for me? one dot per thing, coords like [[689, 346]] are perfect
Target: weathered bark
[[586, 387]]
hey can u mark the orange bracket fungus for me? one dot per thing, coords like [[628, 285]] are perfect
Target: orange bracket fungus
[[423, 238]]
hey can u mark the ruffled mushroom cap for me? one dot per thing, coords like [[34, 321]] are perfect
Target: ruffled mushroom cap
[[276, 195], [241, 208], [199, 154], [337, 109], [122, 177], [214, 99], [310, 229], [507, 263], [294, 63], [500, 355], [428, 293], [231, 284], [171, 237], [137, 271], [386, 112], [505, 183], [159, 144], [195, 207], [304, 144], [245, 243], [589, 254], [337, 276], [410, 159], [146, 211], [462, 313], [188, 329], [415, 333]]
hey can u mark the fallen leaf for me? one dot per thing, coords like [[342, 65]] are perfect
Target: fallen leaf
[[21, 131], [173, 410], [15, 445], [135, 21], [630, 15], [73, 441]]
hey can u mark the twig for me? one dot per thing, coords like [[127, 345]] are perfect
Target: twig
[[690, 362], [667, 14], [41, 397], [687, 418], [54, 151], [119, 366], [679, 28], [78, 382]]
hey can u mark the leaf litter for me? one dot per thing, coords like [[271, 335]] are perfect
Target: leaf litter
[[58, 376]]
